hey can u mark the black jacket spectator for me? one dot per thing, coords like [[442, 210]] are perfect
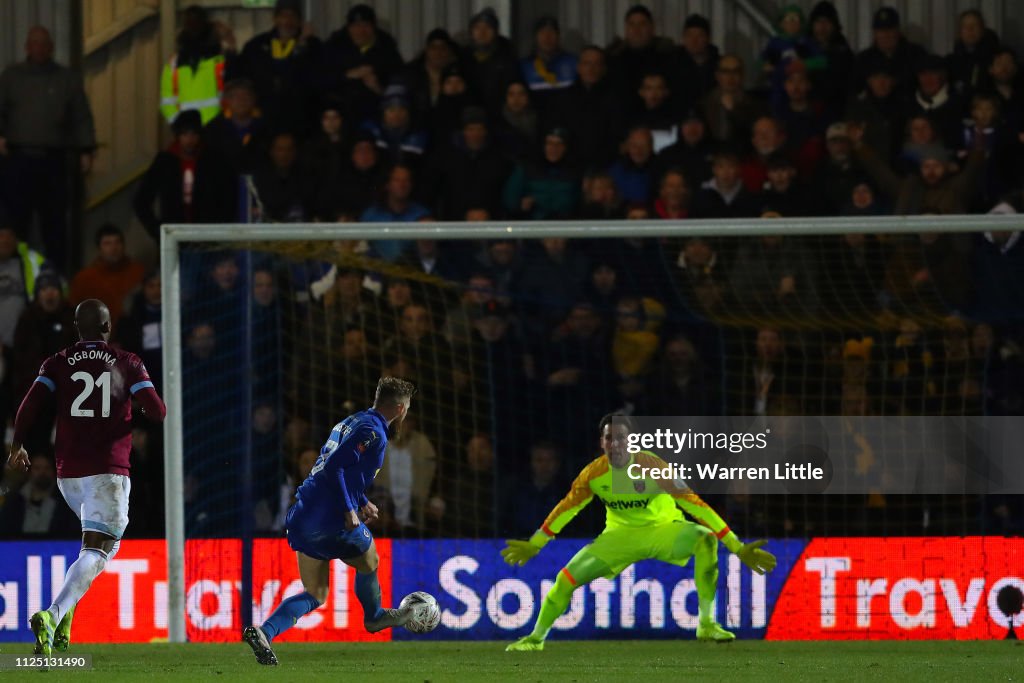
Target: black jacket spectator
[[359, 61], [830, 83], [282, 63], [423, 77], [284, 191], [141, 329], [198, 189], [490, 63], [471, 174], [972, 54], [591, 111], [902, 59], [238, 136]]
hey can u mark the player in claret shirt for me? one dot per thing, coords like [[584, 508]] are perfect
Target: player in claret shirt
[[644, 521], [93, 384]]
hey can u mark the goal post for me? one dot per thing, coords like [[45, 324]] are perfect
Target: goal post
[[242, 236]]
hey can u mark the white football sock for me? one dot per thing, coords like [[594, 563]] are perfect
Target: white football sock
[[80, 576]]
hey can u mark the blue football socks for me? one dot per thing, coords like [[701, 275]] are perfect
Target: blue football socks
[[289, 612]]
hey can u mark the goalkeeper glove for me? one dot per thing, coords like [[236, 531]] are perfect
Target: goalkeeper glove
[[759, 561], [517, 553]]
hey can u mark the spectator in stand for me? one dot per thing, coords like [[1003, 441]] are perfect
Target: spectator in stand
[[281, 63], [464, 504], [423, 77], [111, 277], [889, 47], [1005, 78], [1002, 148], [851, 284], [998, 276], [673, 200], [697, 62], [37, 510], [323, 158], [638, 52], [549, 67], [190, 184], [634, 340], [595, 136], [141, 328], [532, 495], [397, 137], [700, 277], [725, 196], [472, 173], [222, 302], [691, 154], [655, 110], [632, 172], [729, 111], [789, 45], [518, 129], [551, 281], [879, 110], [458, 323], [193, 78], [921, 136], [20, 267], [938, 101], [574, 370], [600, 199], [784, 193], [933, 189], [864, 201], [604, 287], [547, 188], [803, 119], [774, 275], [445, 118], [433, 258], [490, 60], [44, 119], [397, 206], [238, 136], [359, 60], [44, 328], [408, 474], [362, 179], [502, 260], [768, 138], [680, 383], [284, 191], [837, 173], [975, 48], [826, 34], [765, 378]]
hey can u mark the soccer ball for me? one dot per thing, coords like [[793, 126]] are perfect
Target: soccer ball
[[426, 614]]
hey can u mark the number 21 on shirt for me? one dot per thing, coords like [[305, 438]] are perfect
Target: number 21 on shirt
[[91, 383]]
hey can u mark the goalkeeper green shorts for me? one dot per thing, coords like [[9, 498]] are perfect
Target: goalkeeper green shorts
[[620, 547]]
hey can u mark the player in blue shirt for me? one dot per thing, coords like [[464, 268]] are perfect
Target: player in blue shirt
[[324, 523]]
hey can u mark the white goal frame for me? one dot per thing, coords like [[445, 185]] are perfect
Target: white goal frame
[[174, 234]]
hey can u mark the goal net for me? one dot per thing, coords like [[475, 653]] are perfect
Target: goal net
[[520, 338]]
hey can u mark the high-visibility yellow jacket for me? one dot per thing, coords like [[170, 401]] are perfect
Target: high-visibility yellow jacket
[[183, 88]]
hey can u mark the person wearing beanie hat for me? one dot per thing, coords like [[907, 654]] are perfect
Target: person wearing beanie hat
[[471, 172], [934, 98], [825, 31], [932, 189], [698, 59], [547, 188], [789, 44], [548, 68], [638, 52], [424, 75], [397, 138], [280, 64], [889, 45], [189, 180], [359, 60], [490, 60]]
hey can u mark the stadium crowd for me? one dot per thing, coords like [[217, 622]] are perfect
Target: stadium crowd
[[518, 347]]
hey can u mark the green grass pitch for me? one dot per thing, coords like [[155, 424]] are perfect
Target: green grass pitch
[[620, 661]]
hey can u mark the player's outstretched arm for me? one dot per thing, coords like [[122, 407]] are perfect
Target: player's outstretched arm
[[750, 554], [517, 552]]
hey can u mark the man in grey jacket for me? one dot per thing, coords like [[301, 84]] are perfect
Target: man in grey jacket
[[44, 119]]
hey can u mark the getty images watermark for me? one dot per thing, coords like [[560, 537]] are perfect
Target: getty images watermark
[[826, 455]]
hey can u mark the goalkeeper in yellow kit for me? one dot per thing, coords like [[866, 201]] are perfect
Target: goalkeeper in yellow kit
[[645, 523]]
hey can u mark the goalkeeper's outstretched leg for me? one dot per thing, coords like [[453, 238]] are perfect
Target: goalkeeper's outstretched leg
[[581, 570]]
